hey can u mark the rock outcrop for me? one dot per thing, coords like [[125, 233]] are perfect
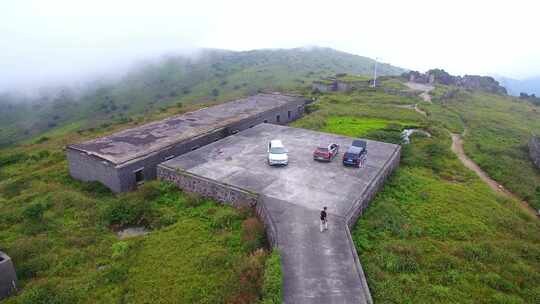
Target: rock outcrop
[[470, 82]]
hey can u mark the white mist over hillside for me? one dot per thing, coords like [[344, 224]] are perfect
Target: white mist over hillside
[[60, 41]]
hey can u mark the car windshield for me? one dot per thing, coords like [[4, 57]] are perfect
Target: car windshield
[[278, 150], [322, 149], [350, 155]]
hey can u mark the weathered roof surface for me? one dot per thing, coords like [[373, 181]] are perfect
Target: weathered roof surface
[[137, 142]]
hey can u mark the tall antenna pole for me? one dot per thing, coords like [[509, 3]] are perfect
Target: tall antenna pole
[[375, 73]]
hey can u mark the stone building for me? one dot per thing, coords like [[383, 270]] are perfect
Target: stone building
[[8, 277], [534, 150], [125, 159]]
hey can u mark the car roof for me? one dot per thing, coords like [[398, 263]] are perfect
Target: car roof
[[359, 143], [354, 149], [276, 143]]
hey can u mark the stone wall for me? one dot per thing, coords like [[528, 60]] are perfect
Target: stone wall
[[269, 225], [323, 87], [534, 150], [376, 184], [8, 277], [208, 188]]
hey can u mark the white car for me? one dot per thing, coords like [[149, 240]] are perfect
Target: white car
[[277, 154]]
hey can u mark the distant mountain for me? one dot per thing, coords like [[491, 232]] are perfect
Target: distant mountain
[[212, 75], [515, 86]]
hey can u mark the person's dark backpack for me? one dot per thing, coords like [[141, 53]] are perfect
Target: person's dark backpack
[[323, 215]]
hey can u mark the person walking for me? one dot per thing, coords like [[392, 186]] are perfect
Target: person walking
[[324, 221]]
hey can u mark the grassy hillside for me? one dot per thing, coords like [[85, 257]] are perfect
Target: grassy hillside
[[211, 76], [436, 233], [498, 129], [60, 234]]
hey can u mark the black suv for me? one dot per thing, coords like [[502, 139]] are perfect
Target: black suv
[[355, 156]]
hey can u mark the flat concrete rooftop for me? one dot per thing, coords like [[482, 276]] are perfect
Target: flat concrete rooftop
[[240, 160], [318, 267], [133, 143]]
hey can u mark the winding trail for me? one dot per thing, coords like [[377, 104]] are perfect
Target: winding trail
[[457, 148]]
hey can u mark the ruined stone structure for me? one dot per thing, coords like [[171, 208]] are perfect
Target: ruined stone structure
[[8, 277], [124, 159], [326, 85], [341, 83], [534, 150]]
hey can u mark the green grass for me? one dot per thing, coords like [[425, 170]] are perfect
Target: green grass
[[59, 233], [273, 280], [359, 127], [436, 233], [498, 129]]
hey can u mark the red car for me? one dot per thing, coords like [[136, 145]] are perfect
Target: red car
[[326, 153]]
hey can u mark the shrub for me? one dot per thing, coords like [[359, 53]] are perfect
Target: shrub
[[12, 159], [310, 108], [34, 211], [252, 234], [119, 249], [125, 212], [272, 292], [42, 140], [193, 199], [224, 218]]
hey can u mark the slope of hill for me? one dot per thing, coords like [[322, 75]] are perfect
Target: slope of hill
[[435, 233], [211, 76]]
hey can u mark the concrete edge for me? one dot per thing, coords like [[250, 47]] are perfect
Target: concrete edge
[[359, 269], [270, 225], [357, 208]]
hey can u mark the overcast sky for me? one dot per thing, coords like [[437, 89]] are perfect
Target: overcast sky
[[50, 40]]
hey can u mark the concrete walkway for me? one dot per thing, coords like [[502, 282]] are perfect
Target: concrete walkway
[[318, 267]]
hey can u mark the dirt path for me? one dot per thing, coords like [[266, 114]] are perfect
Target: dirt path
[[418, 110], [421, 87], [457, 148], [413, 107]]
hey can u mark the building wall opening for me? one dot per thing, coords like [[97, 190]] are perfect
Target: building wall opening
[[139, 176], [289, 114], [278, 118]]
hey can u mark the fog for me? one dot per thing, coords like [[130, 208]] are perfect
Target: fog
[[67, 42]]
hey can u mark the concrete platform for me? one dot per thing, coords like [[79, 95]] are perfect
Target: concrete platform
[[318, 267]]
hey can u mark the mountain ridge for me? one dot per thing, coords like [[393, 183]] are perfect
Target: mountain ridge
[[211, 75]]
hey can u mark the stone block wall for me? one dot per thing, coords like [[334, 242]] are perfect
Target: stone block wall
[[208, 188], [534, 150], [8, 277]]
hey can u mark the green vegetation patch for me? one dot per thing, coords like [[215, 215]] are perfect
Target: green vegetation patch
[[358, 127], [273, 280], [61, 236]]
